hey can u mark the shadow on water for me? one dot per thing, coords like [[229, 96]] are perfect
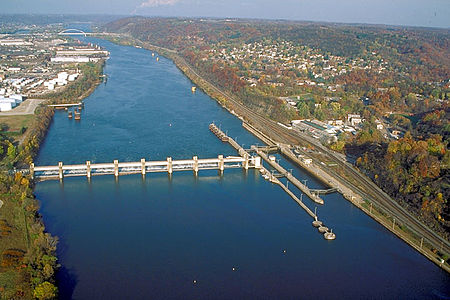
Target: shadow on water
[[67, 281]]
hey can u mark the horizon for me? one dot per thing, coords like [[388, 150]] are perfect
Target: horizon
[[412, 13], [119, 16]]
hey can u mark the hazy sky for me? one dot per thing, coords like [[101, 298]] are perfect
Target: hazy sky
[[433, 13]]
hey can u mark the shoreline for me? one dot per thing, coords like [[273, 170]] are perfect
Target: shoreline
[[28, 234], [375, 213]]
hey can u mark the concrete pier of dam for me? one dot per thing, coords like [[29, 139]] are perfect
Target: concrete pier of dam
[[117, 168]]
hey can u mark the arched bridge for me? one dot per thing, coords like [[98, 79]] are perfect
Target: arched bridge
[[72, 31]]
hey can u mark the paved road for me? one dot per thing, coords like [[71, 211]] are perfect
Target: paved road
[[25, 108]]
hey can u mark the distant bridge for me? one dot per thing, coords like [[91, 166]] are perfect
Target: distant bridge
[[72, 31]]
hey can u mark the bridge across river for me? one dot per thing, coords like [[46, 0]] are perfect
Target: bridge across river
[[169, 165]]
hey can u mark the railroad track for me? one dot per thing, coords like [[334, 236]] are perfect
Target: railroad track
[[367, 188]]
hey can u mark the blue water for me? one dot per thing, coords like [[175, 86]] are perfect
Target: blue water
[[152, 237]]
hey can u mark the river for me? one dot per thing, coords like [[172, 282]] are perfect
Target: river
[[226, 237]]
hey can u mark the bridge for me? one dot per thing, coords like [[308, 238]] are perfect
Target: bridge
[[117, 168], [324, 192], [244, 160], [73, 31]]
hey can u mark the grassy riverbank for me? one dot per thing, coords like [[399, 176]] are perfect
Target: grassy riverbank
[[28, 260]]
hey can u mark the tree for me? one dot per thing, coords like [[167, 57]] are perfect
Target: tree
[[45, 290], [303, 109], [11, 151]]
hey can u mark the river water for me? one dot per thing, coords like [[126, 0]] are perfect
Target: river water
[[138, 238]]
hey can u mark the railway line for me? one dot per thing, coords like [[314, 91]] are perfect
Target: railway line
[[362, 184]]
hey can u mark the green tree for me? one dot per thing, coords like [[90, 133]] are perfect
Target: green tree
[[11, 151], [303, 109], [45, 290]]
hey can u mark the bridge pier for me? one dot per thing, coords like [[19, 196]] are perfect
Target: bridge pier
[[32, 170], [116, 168], [88, 169], [257, 162], [60, 167], [169, 165], [143, 166], [221, 163], [246, 161], [195, 159]]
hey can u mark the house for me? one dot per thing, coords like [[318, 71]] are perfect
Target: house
[[354, 119]]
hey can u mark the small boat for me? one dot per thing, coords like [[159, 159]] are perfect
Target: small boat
[[323, 229], [329, 235], [193, 89], [69, 115], [153, 54], [157, 59]]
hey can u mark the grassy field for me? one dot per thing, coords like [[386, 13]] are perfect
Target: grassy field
[[16, 124]]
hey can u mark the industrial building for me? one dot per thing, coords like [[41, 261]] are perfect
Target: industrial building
[[8, 103]]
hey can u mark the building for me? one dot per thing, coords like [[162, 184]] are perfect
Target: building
[[307, 161], [5, 106], [354, 119], [7, 103], [17, 97], [70, 59]]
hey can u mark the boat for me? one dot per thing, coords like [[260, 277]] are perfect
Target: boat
[[69, 115], [193, 89], [323, 229], [157, 59], [329, 235]]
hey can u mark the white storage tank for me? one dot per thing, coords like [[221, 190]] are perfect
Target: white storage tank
[[17, 97], [62, 75], [5, 106]]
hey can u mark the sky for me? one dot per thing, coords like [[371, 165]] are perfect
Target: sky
[[429, 13]]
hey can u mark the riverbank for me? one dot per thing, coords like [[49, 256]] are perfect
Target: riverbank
[[28, 261]]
